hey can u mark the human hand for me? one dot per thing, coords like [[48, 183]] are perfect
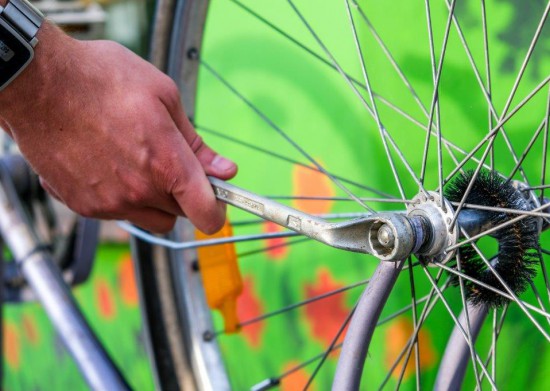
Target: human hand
[[107, 134]]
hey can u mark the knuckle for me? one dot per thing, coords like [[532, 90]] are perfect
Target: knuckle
[[170, 87]]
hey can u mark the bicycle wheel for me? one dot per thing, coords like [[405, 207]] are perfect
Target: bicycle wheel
[[329, 107]]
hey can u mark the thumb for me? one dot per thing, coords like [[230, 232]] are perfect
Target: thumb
[[213, 163]]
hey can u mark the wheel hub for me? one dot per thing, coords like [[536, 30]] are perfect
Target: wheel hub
[[432, 216]]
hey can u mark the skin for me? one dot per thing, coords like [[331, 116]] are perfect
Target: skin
[[107, 133]]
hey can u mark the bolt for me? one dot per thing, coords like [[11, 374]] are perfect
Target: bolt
[[386, 236], [193, 54]]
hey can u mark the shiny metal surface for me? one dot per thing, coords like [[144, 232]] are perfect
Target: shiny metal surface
[[358, 235]]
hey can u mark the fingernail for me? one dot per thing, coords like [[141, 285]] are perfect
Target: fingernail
[[222, 164]]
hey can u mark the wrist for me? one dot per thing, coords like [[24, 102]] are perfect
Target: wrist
[[35, 81]]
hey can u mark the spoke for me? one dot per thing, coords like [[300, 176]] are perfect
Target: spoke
[[280, 131], [407, 350], [476, 173], [496, 128], [384, 134], [275, 381], [434, 106], [544, 274], [487, 75], [381, 128], [471, 184], [467, 320], [489, 287], [415, 324], [330, 348], [539, 298], [322, 60], [541, 187], [287, 159], [526, 59], [390, 56], [174, 245], [376, 115], [528, 148], [507, 288], [458, 325], [495, 228], [386, 102], [249, 322], [274, 247], [486, 92], [505, 210], [374, 109], [545, 148], [321, 198]]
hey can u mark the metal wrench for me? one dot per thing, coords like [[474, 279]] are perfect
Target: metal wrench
[[388, 236]]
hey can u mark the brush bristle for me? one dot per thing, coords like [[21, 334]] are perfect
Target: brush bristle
[[518, 246]]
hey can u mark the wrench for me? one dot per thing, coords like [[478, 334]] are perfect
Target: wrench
[[388, 236]]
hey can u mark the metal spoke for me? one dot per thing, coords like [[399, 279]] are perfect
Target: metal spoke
[[539, 298], [474, 177], [407, 350], [381, 127], [415, 324], [507, 288], [495, 228], [323, 60], [526, 59], [322, 198], [173, 245], [487, 75], [302, 303], [280, 131], [528, 148], [544, 274], [384, 134], [491, 288], [274, 247], [545, 148], [486, 93], [505, 210], [467, 321], [286, 159], [383, 100], [435, 79], [497, 328], [390, 57], [330, 348], [494, 131], [458, 325]]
